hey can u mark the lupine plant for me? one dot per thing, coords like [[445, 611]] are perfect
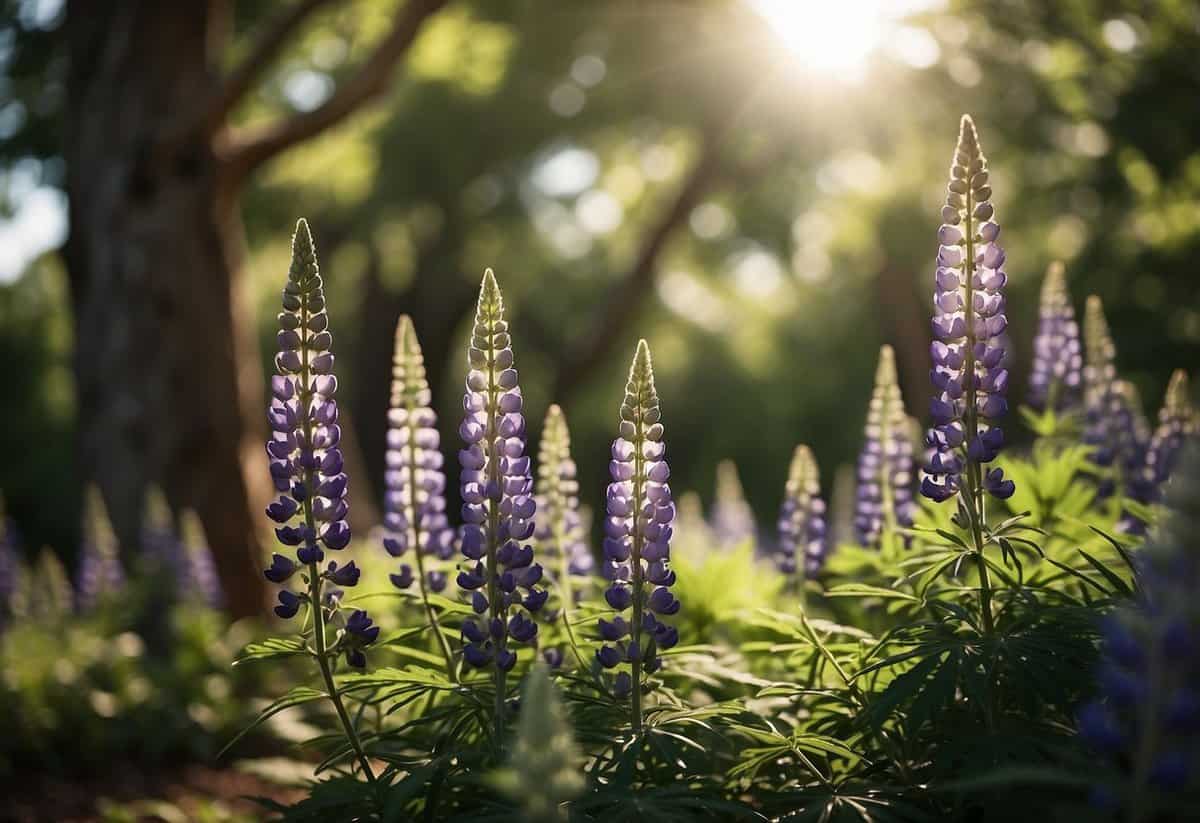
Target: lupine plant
[[637, 542], [884, 498], [1056, 380], [802, 539], [1177, 423], [732, 518], [306, 466], [498, 504], [100, 574], [415, 503], [1112, 408], [561, 538], [179, 557], [9, 563], [1144, 723]]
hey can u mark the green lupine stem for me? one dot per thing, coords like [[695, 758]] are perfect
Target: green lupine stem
[[443, 643], [974, 475], [315, 581]]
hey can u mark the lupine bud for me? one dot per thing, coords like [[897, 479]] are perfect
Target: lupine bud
[[544, 772], [497, 492], [802, 539], [969, 377], [561, 538], [637, 533], [415, 500], [305, 459], [1148, 716], [1056, 380], [100, 572], [1114, 424], [732, 517], [1177, 424], [884, 496]]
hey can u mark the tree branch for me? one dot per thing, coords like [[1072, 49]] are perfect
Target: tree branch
[[617, 314], [243, 153], [264, 51]]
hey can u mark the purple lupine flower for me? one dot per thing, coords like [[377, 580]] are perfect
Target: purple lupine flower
[[100, 573], [498, 503], [1177, 423], [182, 557], [732, 518], [1146, 721], [968, 374], [1114, 424], [884, 497], [305, 459], [637, 539], [1056, 380], [415, 500], [560, 533], [802, 539]]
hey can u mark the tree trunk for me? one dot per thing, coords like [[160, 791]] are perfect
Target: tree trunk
[[166, 368]]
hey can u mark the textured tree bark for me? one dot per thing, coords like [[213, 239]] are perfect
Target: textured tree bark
[[166, 372]]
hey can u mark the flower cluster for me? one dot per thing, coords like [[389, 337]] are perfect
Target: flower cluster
[[100, 573], [1148, 715], [968, 374], [883, 499], [181, 557], [637, 535], [1114, 424], [560, 533], [497, 493], [732, 517], [802, 518], [1055, 382], [1177, 423], [305, 460], [415, 501]]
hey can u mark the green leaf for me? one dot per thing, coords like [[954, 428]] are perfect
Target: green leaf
[[272, 648]]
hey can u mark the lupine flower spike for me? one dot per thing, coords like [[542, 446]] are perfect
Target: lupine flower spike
[[968, 376], [884, 498], [9, 563], [802, 539], [100, 572], [306, 466], [637, 541], [414, 518], [1111, 407], [544, 772], [561, 538], [1148, 715], [732, 517], [1056, 381], [199, 572], [498, 505], [43, 591], [1177, 424]]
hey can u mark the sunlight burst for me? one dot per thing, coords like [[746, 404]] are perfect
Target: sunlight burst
[[834, 37]]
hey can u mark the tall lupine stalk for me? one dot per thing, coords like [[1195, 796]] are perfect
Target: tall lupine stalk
[[180, 556], [1056, 380], [9, 562], [561, 539], [968, 378], [637, 540], [732, 517], [802, 539], [1148, 712], [498, 504], [415, 500], [199, 570], [306, 466], [1111, 406], [884, 497], [1177, 424], [100, 573]]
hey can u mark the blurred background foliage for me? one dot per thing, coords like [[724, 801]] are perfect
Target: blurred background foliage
[[671, 170]]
